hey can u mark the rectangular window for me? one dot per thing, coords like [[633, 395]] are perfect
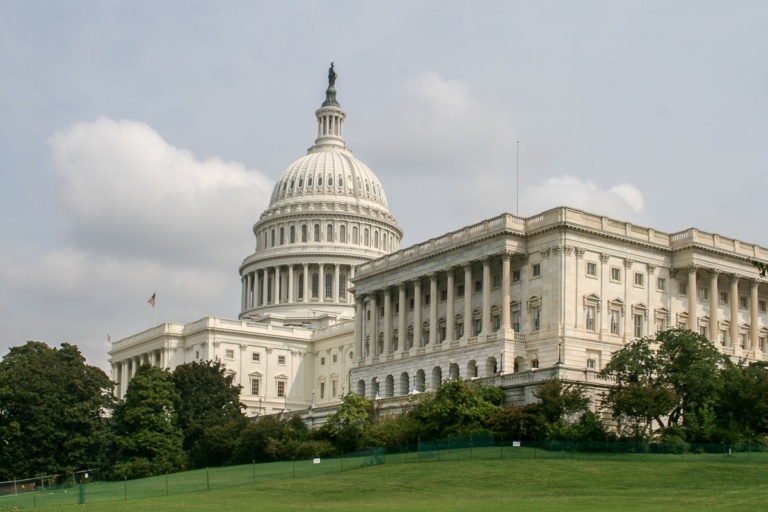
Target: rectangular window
[[443, 295], [410, 304], [639, 279], [638, 326], [591, 364], [229, 354], [682, 289], [516, 321], [723, 297], [254, 386], [256, 357], [761, 304], [536, 318], [723, 338], [516, 276], [661, 325], [661, 284], [591, 269], [197, 354], [322, 361], [536, 270], [334, 385], [460, 290], [281, 389], [427, 299], [335, 357], [496, 281], [590, 318], [397, 307], [615, 322], [322, 390], [703, 293], [478, 285], [280, 359], [743, 301], [615, 274], [704, 331]]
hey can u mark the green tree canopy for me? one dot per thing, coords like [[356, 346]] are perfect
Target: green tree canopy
[[673, 379], [148, 437], [53, 411], [205, 398], [348, 427]]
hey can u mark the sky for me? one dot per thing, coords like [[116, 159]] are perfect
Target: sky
[[140, 140]]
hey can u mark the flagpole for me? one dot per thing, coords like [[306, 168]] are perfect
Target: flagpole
[[517, 185], [154, 308]]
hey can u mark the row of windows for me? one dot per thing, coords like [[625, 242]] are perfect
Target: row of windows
[[318, 183], [385, 241], [256, 387], [334, 389], [255, 356], [335, 358]]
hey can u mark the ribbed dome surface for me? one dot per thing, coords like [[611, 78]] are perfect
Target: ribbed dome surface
[[328, 174]]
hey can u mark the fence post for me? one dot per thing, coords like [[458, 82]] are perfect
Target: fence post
[[438, 449], [166, 483], [125, 478], [342, 460], [15, 488], [208, 478], [501, 449], [294, 467], [82, 494], [471, 444]]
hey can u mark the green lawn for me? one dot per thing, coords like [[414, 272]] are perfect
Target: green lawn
[[525, 484]]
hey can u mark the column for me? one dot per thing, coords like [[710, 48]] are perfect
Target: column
[[387, 320], [265, 287], [753, 318], [351, 276], [243, 299], [335, 287], [290, 284], [276, 287], [714, 301], [505, 298], [692, 294], [321, 282], [305, 291], [359, 314], [373, 326], [450, 306], [433, 300], [467, 299], [417, 313], [486, 328], [734, 335], [256, 289], [401, 316]]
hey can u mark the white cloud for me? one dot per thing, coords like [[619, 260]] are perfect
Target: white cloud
[[623, 201], [130, 193]]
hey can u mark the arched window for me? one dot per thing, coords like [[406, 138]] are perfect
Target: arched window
[[293, 234], [315, 285], [273, 238], [282, 236], [309, 182], [301, 182], [319, 181], [328, 285], [342, 286], [354, 235], [341, 182], [366, 241], [343, 234], [317, 232], [304, 233], [329, 233], [384, 241], [375, 239], [330, 181]]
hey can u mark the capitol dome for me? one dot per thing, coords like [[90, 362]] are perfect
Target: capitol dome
[[328, 213]]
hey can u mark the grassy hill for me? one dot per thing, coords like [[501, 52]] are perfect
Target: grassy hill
[[524, 484]]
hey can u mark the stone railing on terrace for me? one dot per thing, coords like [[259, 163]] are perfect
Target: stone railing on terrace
[[149, 334], [694, 236], [332, 330]]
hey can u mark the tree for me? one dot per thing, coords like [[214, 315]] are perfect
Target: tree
[[456, 408], [53, 411], [148, 437], [559, 400], [742, 408], [205, 398], [672, 379], [348, 427]]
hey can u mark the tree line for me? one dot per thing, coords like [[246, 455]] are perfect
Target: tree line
[[58, 414]]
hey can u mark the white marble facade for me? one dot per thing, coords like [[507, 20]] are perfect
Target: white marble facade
[[330, 303]]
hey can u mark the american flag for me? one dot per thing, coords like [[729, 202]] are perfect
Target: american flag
[[152, 300], [109, 338]]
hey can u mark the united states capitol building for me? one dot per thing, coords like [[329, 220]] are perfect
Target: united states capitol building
[[331, 304]]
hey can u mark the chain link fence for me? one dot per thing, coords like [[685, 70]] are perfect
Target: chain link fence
[[92, 486]]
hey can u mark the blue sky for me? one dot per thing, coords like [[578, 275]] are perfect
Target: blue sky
[[139, 140]]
